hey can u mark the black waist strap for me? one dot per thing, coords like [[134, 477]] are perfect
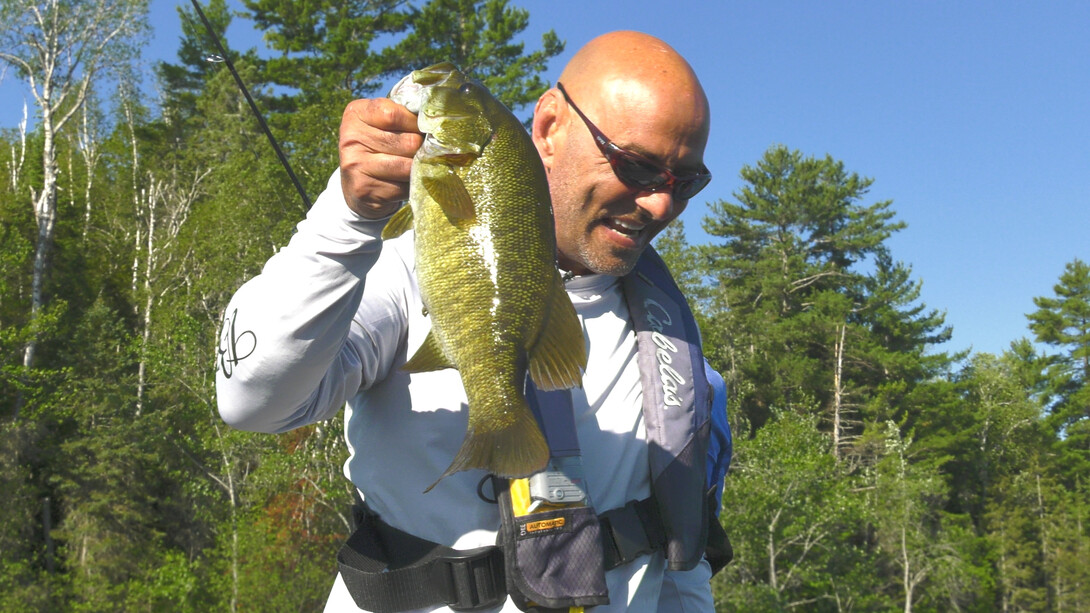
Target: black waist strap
[[637, 528], [388, 570], [631, 531]]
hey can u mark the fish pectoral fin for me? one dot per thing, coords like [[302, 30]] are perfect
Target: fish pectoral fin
[[428, 357], [450, 194], [399, 223], [559, 354]]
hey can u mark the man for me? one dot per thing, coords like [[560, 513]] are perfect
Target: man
[[337, 311]]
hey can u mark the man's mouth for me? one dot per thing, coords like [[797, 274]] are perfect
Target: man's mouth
[[627, 228]]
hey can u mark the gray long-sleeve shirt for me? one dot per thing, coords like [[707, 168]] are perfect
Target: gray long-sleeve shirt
[[326, 324]]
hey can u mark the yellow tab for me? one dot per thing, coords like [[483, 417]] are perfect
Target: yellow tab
[[520, 497]]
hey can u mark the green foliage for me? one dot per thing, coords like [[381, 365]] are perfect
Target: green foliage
[[801, 294], [921, 476], [928, 550], [182, 83], [868, 476], [478, 36], [1063, 323], [1038, 532], [990, 433], [865, 532], [124, 489], [325, 46], [792, 515], [85, 36], [24, 583]]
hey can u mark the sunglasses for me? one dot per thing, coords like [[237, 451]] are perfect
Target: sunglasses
[[639, 172]]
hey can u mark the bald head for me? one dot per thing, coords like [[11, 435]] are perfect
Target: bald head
[[639, 95], [634, 63]]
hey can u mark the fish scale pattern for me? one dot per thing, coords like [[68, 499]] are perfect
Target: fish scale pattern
[[485, 263]]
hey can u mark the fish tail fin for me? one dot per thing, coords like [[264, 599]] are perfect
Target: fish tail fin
[[559, 355], [515, 450]]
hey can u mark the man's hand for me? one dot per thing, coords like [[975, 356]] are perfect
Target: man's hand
[[377, 143]]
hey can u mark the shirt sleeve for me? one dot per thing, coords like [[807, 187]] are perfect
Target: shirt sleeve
[[720, 447], [298, 340]]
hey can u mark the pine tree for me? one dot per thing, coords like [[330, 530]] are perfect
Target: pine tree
[[1063, 323], [325, 48], [478, 36], [197, 59], [808, 308]]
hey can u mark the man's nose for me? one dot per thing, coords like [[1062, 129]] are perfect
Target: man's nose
[[661, 205]]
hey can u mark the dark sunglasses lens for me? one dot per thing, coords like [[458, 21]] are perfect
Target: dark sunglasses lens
[[687, 188], [636, 172]]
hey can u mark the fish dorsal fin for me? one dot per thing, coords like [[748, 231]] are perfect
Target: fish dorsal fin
[[399, 223], [559, 354], [448, 191], [428, 357]]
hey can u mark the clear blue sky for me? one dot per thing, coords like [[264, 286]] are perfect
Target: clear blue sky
[[972, 117]]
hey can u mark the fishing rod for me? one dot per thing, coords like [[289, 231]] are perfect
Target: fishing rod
[[226, 59]]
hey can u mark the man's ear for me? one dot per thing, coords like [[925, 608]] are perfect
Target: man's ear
[[546, 126]]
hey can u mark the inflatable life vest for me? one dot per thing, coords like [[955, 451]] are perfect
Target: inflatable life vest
[[553, 549]]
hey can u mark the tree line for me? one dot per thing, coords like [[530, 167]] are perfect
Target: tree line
[[873, 471]]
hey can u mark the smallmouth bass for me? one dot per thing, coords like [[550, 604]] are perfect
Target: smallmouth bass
[[485, 261]]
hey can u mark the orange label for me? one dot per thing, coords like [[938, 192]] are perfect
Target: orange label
[[545, 524]]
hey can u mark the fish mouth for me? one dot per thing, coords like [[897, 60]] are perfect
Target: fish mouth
[[407, 93], [438, 117]]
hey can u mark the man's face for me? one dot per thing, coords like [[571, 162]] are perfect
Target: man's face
[[602, 225]]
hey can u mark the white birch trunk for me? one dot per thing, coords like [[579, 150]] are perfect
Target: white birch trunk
[[838, 391], [45, 214]]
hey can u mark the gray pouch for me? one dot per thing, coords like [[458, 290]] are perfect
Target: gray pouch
[[553, 559]]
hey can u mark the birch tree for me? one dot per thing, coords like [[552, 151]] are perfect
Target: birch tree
[[789, 503], [59, 48], [926, 550]]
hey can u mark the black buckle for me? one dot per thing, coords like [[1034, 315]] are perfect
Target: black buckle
[[476, 578]]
